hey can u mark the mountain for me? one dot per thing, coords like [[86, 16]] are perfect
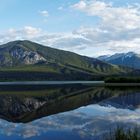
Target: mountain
[[125, 101], [35, 62], [23, 104], [129, 59]]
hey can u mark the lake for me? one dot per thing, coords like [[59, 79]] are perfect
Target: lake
[[67, 112]]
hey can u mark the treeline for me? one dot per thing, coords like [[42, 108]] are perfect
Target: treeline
[[122, 80], [40, 76], [122, 134]]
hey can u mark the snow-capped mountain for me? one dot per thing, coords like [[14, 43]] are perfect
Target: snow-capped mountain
[[129, 59]]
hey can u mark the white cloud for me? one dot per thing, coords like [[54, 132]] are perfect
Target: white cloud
[[27, 32], [127, 17], [86, 41], [80, 5], [117, 31], [31, 31], [117, 41], [44, 13], [91, 120], [65, 41]]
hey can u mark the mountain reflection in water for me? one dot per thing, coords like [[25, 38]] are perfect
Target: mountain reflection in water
[[80, 112]]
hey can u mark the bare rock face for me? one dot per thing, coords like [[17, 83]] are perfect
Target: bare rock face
[[32, 58], [25, 56], [14, 107]]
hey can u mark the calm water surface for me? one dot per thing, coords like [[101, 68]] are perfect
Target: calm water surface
[[73, 112]]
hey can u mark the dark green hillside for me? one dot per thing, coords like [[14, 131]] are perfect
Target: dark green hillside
[[38, 73], [72, 59], [26, 60]]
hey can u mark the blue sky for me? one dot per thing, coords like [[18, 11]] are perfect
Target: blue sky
[[18, 13], [82, 26]]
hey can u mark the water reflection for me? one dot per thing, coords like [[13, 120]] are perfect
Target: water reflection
[[77, 112]]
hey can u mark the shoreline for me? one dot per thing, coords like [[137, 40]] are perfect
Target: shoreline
[[94, 83], [91, 83]]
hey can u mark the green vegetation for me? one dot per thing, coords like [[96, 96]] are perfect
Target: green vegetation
[[122, 80], [122, 134], [58, 64], [42, 72]]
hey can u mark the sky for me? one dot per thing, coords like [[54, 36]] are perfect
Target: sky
[[87, 27]]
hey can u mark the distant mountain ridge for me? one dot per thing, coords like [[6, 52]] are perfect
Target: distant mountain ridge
[[129, 59], [27, 56]]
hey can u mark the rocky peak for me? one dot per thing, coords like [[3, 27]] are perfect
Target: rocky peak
[[26, 56]]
